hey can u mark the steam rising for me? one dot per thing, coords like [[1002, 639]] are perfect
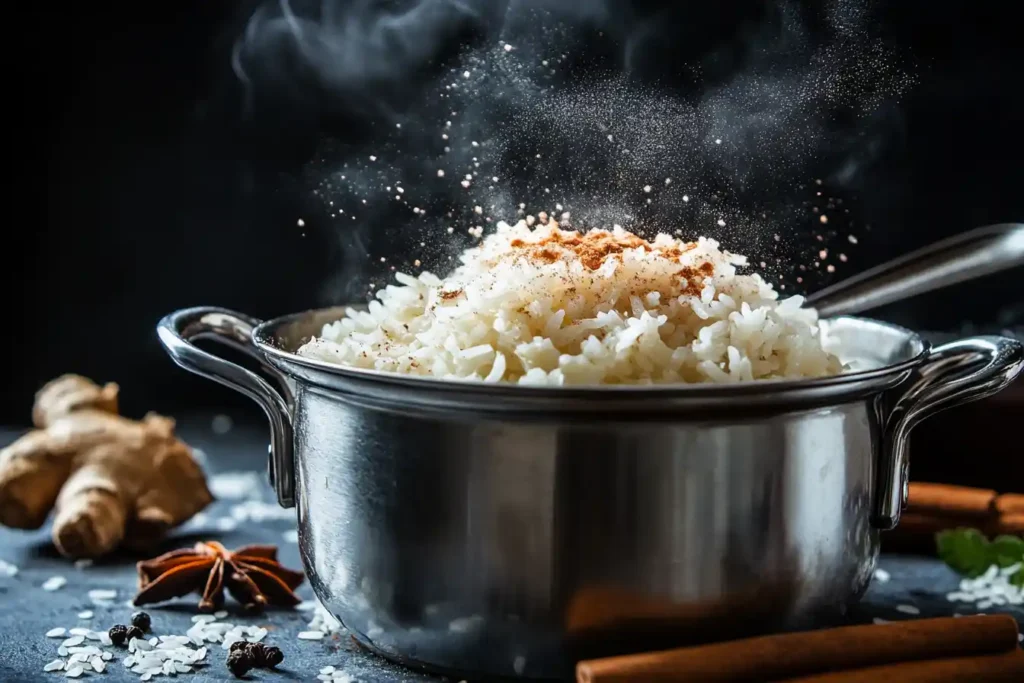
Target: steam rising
[[346, 47], [469, 112]]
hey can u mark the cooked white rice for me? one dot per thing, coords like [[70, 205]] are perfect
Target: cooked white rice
[[545, 306]]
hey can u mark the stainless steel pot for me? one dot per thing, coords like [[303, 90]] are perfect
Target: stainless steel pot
[[502, 531]]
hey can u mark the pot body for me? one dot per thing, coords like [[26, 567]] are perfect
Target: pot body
[[502, 547], [491, 532]]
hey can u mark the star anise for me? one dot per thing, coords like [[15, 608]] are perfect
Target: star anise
[[251, 574]]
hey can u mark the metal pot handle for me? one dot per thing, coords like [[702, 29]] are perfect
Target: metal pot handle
[[178, 330], [964, 257], [953, 374]]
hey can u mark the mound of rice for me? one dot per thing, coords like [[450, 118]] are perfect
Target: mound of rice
[[546, 306]]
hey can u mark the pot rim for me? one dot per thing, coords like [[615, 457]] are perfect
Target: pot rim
[[268, 339]]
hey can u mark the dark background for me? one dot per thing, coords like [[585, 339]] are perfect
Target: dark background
[[142, 186]]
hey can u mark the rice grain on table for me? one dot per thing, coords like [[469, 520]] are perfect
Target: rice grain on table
[[546, 306], [54, 583], [993, 588]]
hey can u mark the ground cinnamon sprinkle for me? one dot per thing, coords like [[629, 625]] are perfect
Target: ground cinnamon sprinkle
[[595, 247], [694, 277], [454, 294], [546, 255]]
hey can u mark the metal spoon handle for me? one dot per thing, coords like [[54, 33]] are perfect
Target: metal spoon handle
[[967, 256]]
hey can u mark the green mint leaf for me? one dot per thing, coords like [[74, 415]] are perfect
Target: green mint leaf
[[1008, 550], [966, 551], [1017, 578]]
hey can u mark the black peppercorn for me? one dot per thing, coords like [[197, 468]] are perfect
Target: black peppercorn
[[141, 621], [258, 654], [239, 662], [118, 634], [272, 656], [133, 632], [238, 645]]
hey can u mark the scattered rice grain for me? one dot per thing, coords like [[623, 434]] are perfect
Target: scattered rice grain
[[54, 583]]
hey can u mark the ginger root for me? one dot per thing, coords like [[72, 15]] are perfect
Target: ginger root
[[109, 480]]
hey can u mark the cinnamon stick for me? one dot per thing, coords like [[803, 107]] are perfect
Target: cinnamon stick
[[791, 655], [1010, 504], [946, 499], [932, 508], [919, 523], [1005, 667], [1011, 524]]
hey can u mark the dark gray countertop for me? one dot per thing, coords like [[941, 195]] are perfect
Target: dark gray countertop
[[27, 611]]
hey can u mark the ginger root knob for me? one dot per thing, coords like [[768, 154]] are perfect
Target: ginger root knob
[[102, 475]]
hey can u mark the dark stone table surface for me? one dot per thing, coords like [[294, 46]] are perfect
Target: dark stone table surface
[[27, 611]]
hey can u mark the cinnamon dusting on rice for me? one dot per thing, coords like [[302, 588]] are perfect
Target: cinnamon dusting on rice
[[592, 248], [595, 247], [694, 277]]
